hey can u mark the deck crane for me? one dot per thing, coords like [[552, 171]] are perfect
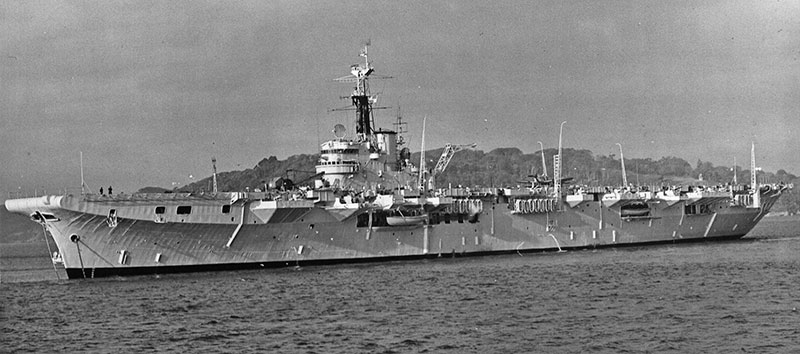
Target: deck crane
[[444, 160]]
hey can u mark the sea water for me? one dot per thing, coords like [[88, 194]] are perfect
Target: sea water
[[729, 297]]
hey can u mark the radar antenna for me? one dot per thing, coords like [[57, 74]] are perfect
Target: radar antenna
[[339, 131]]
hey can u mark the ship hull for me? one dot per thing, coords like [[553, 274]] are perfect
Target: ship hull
[[92, 244], [99, 272]]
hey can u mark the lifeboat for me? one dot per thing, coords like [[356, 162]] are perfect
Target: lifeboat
[[400, 220], [634, 209], [406, 217]]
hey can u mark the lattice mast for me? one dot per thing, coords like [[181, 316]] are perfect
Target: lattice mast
[[756, 190], [557, 165], [361, 99], [214, 170]]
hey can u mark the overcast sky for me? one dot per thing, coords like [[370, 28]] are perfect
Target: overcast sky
[[150, 91]]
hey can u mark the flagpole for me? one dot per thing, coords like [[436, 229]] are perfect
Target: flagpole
[[83, 183]]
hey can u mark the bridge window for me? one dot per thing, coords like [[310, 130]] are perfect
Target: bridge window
[[184, 209], [226, 209], [339, 151], [160, 209]]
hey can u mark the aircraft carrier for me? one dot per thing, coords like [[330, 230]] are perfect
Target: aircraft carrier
[[369, 202]]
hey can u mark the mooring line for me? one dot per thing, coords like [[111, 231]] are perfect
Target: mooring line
[[49, 250]]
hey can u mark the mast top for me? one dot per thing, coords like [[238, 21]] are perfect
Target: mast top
[[361, 98]]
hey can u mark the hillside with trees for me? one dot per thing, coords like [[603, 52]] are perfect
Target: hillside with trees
[[505, 167]]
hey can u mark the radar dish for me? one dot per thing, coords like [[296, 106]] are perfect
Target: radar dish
[[339, 131]]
